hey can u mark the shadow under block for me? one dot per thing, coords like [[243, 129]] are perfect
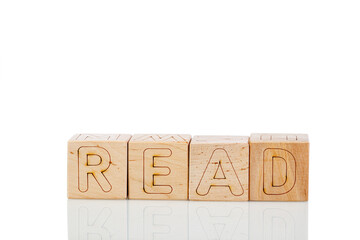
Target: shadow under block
[[279, 167], [219, 168], [97, 166], [158, 167]]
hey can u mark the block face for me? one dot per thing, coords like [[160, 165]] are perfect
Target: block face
[[97, 166], [158, 166], [219, 168], [279, 167]]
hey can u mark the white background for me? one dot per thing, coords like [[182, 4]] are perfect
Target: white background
[[198, 67]]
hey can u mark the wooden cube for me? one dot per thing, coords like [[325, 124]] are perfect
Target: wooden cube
[[158, 166], [279, 167], [97, 166], [219, 168]]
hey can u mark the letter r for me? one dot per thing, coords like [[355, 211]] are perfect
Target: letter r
[[93, 161]]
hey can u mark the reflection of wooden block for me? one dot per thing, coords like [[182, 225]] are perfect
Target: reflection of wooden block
[[158, 166], [97, 220], [219, 168], [97, 166], [156, 219], [219, 220], [278, 220], [279, 167]]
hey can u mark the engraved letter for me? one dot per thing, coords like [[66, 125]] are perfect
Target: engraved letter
[[155, 170], [220, 172], [93, 161], [279, 171]]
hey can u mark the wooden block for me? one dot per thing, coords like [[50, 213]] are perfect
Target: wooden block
[[219, 168], [158, 166], [279, 167], [97, 166]]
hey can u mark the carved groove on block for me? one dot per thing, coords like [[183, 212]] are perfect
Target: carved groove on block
[[276, 137], [152, 170], [160, 138], [96, 170], [97, 137], [290, 179], [219, 182]]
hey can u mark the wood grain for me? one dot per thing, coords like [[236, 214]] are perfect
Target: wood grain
[[97, 166], [158, 166], [219, 168], [279, 167]]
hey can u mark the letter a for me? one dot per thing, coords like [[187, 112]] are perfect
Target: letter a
[[220, 172]]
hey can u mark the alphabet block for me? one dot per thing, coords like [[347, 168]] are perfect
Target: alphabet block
[[158, 166], [97, 166], [219, 168], [279, 167]]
